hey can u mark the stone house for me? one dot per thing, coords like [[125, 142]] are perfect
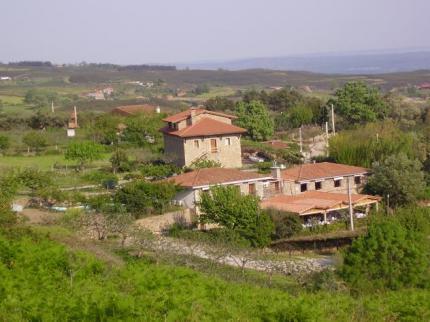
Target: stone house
[[198, 134], [196, 182], [323, 177]]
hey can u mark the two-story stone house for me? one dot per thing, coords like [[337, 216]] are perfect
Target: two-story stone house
[[198, 134]]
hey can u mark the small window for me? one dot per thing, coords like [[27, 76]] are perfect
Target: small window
[[303, 187], [318, 185], [196, 143], [337, 183], [357, 180], [227, 141]]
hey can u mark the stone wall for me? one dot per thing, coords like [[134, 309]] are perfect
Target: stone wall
[[157, 224]]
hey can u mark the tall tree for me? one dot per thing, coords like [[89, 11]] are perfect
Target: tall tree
[[255, 117], [358, 103], [398, 177]]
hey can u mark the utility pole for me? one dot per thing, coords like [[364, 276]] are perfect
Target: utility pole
[[326, 138], [301, 139], [351, 211], [332, 120]]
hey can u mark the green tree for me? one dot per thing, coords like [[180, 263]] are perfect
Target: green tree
[[142, 197], [358, 103], [219, 103], [4, 143], [143, 130], [255, 117], [299, 115], [388, 256], [225, 205], [398, 177], [83, 152], [35, 140]]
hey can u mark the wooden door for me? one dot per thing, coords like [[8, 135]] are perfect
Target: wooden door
[[252, 189], [214, 146]]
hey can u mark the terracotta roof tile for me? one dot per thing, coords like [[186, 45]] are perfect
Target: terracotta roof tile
[[314, 171], [317, 200], [205, 127], [186, 114], [214, 176]]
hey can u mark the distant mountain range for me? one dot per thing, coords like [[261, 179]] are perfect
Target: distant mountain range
[[349, 63]]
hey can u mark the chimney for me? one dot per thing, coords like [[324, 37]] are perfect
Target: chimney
[[276, 171], [192, 114]]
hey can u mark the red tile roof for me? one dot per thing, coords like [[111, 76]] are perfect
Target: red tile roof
[[205, 127], [312, 171], [186, 114], [315, 201], [214, 176], [134, 109]]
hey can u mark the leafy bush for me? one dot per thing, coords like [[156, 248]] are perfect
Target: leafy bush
[[226, 206], [83, 152], [286, 224], [398, 177], [4, 143], [388, 256], [100, 177], [142, 197], [205, 163], [35, 140], [158, 171]]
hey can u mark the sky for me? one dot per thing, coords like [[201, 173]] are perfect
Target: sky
[[169, 31]]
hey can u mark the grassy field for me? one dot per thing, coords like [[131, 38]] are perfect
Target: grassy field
[[10, 99], [44, 162]]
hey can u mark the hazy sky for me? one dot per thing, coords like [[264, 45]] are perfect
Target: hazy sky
[[143, 31]]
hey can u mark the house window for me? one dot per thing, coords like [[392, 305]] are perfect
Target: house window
[[196, 143], [337, 183], [227, 141], [252, 189], [318, 185], [214, 146], [357, 180], [303, 187]]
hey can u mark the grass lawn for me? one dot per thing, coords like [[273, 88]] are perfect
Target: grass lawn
[[11, 99], [217, 91], [44, 162]]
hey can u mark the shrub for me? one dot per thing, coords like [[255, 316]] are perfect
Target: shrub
[[398, 177], [4, 143], [225, 205], [286, 224], [158, 171], [142, 197], [388, 256], [83, 152]]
